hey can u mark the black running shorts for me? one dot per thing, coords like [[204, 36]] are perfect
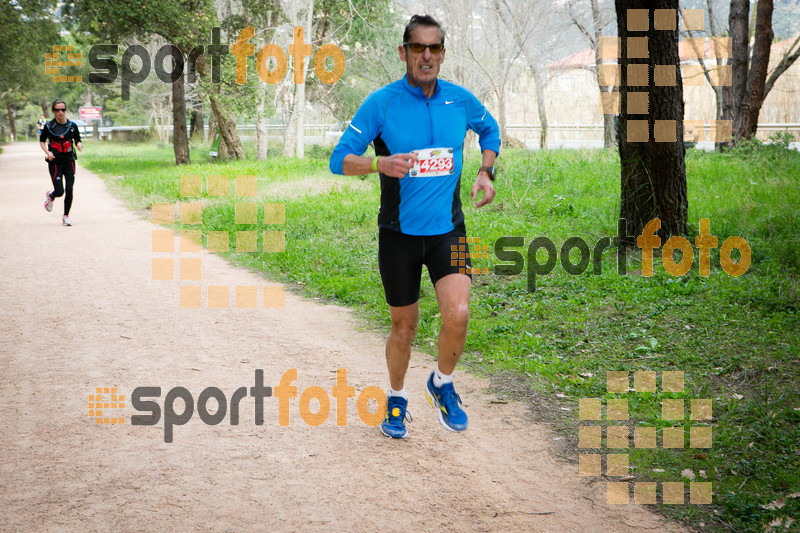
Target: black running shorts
[[401, 256]]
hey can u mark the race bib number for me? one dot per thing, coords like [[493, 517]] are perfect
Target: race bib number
[[433, 162]]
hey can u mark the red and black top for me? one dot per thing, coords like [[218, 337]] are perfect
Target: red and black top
[[61, 140]]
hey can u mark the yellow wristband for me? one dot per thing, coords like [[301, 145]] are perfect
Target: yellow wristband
[[375, 164]]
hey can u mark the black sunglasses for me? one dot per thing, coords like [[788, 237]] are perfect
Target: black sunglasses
[[59, 109], [419, 48]]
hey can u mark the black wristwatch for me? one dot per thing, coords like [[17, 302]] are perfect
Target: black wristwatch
[[489, 170]]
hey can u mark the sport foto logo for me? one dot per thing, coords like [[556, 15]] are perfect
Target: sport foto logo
[[647, 242], [101, 58], [143, 401]]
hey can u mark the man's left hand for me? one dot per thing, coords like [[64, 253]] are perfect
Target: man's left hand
[[483, 183], [80, 147]]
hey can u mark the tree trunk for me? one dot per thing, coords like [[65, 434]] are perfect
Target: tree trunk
[[212, 128], [653, 171], [261, 125], [196, 123], [300, 101], [746, 121], [501, 113], [43, 105], [738, 23], [289, 143], [11, 125], [609, 132], [230, 139], [231, 145], [180, 141], [540, 106]]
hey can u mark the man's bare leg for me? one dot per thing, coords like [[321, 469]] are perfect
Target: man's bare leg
[[452, 293], [398, 345]]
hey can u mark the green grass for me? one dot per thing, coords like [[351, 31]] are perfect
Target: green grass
[[736, 339]]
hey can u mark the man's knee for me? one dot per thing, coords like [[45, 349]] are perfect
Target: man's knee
[[404, 330], [456, 317]]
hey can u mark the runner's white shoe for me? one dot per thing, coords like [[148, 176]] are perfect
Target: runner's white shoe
[[48, 202], [66, 221]]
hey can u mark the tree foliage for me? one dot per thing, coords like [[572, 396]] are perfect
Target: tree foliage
[[28, 29]]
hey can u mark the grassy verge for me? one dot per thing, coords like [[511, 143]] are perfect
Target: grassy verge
[[735, 338]]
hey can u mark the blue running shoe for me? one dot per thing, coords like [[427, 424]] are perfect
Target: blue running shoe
[[394, 425], [445, 399]]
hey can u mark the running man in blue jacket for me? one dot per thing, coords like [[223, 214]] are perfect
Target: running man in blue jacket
[[417, 126]]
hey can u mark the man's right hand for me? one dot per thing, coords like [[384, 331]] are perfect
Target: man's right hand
[[50, 155], [397, 165]]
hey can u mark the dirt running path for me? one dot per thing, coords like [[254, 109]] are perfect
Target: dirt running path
[[78, 310]]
